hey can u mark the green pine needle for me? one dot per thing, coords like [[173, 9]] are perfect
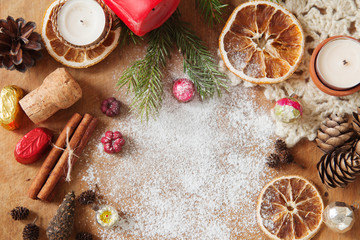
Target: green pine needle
[[211, 10], [144, 77], [126, 35], [198, 61]]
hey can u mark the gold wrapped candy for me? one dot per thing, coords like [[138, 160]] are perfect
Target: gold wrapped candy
[[10, 111]]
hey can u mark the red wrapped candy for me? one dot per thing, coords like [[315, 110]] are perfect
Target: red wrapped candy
[[30, 148]]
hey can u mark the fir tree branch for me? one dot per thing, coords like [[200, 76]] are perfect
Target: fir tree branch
[[126, 35], [144, 77], [211, 10], [198, 61]]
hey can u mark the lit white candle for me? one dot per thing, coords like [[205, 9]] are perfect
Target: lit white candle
[[81, 22], [338, 63]]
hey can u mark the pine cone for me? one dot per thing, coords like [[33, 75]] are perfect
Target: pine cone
[[87, 197], [356, 121], [19, 45], [84, 236], [333, 133], [273, 160], [31, 232], [62, 224], [337, 169], [280, 145], [282, 155], [19, 213]]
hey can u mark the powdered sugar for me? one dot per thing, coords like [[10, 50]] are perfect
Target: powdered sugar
[[193, 173]]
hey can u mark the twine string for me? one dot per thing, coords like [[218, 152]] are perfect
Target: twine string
[[70, 156]]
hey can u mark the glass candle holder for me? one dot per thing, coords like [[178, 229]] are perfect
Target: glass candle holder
[[83, 24]]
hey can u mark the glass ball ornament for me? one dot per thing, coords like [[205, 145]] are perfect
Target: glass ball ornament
[[339, 217], [288, 109]]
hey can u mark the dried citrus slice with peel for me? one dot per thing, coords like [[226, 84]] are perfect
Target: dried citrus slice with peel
[[72, 56], [290, 207], [262, 42]]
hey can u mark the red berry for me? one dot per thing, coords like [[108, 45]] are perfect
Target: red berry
[[110, 107], [117, 135], [108, 148], [117, 148], [183, 90], [113, 142], [109, 135], [105, 140], [122, 142]]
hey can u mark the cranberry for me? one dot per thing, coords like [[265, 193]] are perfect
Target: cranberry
[[183, 90], [113, 142], [110, 107]]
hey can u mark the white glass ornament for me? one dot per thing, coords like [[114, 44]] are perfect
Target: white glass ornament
[[339, 216]]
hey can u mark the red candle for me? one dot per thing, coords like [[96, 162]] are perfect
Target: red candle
[[142, 16]]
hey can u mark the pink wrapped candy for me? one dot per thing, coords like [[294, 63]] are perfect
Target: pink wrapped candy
[[288, 109]]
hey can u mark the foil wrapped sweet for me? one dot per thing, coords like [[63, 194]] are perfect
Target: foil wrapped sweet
[[10, 110], [339, 217]]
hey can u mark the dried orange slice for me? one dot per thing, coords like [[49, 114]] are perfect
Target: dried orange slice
[[290, 207], [72, 56], [262, 42]]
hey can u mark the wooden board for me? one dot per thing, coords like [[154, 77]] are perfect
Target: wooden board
[[98, 82]]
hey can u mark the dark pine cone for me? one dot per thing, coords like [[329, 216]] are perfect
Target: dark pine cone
[[19, 213], [273, 160], [280, 145], [87, 197], [31, 232], [84, 236], [19, 45]]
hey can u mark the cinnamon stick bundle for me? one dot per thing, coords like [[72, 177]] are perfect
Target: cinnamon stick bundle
[[53, 156], [81, 147], [77, 143]]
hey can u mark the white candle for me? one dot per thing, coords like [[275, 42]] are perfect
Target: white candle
[[338, 63], [81, 22]]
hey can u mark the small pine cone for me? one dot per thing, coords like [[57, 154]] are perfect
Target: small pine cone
[[87, 197], [84, 236], [280, 145], [337, 169], [334, 133], [273, 160], [19, 213], [31, 232], [356, 121], [285, 156]]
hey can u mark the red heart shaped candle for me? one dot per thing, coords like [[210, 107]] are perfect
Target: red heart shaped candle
[[142, 16]]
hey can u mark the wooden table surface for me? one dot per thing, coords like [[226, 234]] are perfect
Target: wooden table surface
[[98, 82]]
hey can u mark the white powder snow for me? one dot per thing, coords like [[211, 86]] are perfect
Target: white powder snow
[[193, 173]]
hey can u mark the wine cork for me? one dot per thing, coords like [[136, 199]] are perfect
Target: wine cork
[[58, 91]]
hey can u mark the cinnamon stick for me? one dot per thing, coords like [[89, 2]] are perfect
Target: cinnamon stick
[[78, 151], [53, 156], [60, 166]]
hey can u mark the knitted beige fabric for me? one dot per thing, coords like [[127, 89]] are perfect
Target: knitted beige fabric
[[319, 19]]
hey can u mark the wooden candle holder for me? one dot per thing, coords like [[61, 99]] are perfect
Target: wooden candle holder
[[58, 91]]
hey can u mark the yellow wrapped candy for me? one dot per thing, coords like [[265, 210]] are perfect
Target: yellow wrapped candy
[[10, 111]]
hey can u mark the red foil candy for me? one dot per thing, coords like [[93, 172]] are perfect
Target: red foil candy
[[31, 147], [142, 16]]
